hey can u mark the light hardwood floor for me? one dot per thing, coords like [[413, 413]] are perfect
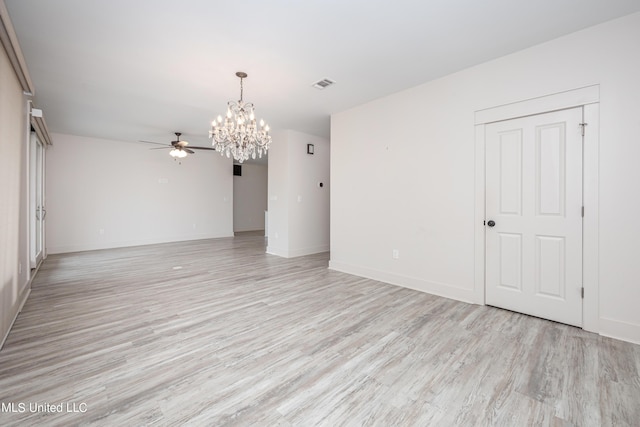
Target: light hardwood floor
[[239, 337]]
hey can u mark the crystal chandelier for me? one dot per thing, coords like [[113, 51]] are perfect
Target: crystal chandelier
[[239, 135]]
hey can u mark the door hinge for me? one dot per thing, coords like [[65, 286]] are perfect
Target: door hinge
[[582, 292], [582, 212], [582, 126]]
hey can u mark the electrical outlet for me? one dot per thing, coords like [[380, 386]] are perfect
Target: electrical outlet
[[395, 254]]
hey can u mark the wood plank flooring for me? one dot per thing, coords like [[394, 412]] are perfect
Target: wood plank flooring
[[236, 337]]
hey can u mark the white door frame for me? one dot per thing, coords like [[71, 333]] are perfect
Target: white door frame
[[36, 203], [587, 97]]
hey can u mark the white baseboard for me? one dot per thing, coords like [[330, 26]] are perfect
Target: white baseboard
[[308, 251], [275, 251], [125, 244], [440, 289], [297, 252], [25, 295], [244, 230], [620, 330]]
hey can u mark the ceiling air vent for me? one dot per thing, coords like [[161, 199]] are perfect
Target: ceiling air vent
[[321, 84]]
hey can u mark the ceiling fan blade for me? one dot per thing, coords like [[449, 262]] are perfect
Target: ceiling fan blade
[[202, 148], [188, 151], [151, 142], [160, 148]]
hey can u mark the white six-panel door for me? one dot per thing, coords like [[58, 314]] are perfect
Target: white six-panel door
[[534, 197]]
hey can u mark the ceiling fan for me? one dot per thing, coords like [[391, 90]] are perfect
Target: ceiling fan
[[178, 148]]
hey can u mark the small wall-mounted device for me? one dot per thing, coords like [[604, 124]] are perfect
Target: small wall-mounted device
[[309, 148], [237, 170], [320, 184], [36, 112]]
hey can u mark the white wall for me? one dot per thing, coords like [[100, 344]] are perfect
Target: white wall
[[105, 194], [278, 194], [250, 198], [298, 206], [14, 237], [402, 169]]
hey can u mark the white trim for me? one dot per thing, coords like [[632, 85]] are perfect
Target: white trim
[[26, 293], [129, 243], [42, 130], [297, 252], [33, 262], [479, 208], [277, 252], [435, 288], [588, 98], [543, 104], [620, 330], [310, 250], [9, 40], [591, 221]]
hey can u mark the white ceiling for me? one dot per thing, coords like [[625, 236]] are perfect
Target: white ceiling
[[141, 69]]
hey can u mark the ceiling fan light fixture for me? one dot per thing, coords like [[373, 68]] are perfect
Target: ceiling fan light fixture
[[238, 135], [178, 153]]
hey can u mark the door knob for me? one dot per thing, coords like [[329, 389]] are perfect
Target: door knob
[[491, 223]]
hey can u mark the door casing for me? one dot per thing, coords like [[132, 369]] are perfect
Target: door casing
[[37, 210], [588, 97]]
